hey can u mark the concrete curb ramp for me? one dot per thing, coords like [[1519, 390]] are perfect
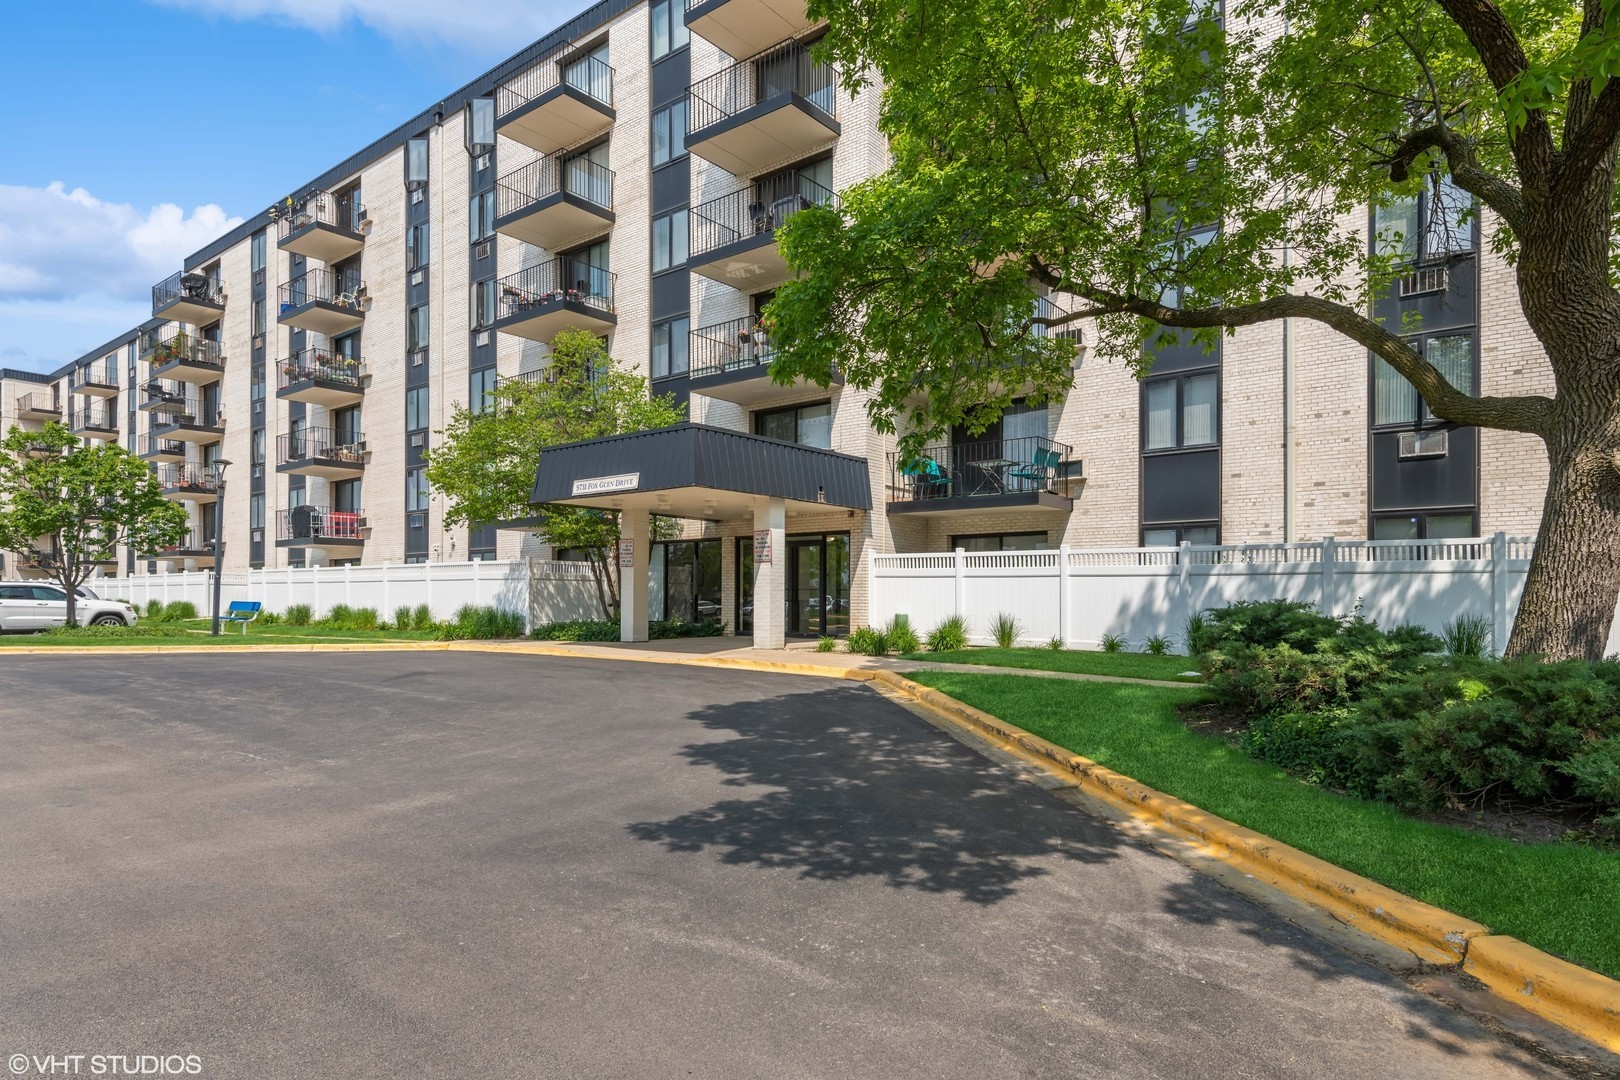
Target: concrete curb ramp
[[1579, 1000]]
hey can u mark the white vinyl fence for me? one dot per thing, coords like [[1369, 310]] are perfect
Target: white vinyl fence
[[1081, 594], [542, 590]]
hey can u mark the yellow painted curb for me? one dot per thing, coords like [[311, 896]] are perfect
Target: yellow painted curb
[[205, 647], [1571, 996], [735, 663]]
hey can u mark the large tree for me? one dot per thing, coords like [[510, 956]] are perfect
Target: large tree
[[1080, 146], [486, 465], [74, 505]]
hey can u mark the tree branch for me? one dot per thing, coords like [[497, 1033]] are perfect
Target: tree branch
[[1492, 37], [1586, 149], [1496, 193]]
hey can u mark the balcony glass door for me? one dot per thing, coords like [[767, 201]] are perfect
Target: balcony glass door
[[586, 175]]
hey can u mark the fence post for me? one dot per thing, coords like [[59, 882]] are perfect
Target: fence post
[[959, 600], [1063, 593], [348, 591], [1330, 555], [1499, 592], [427, 577], [386, 606], [1184, 578]]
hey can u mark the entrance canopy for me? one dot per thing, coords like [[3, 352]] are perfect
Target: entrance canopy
[[697, 471]]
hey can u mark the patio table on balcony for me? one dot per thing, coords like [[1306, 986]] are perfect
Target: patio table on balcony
[[994, 471]]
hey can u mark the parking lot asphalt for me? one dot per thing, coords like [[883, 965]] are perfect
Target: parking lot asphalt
[[459, 865]]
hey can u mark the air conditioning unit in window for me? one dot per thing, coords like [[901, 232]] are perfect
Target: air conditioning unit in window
[[416, 520], [482, 338], [1424, 444], [416, 277], [481, 162], [418, 439], [416, 195], [481, 251]]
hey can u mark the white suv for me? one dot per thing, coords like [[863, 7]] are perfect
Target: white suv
[[28, 605]]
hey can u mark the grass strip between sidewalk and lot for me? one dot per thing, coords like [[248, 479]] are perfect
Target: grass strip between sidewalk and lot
[[1121, 664], [1559, 897], [195, 632]]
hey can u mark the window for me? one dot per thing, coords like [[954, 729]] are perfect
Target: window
[[669, 240], [669, 347], [416, 164], [257, 251], [481, 217], [480, 125], [1180, 411], [1175, 535], [1434, 224], [346, 496], [1445, 525], [669, 133], [416, 329], [416, 408], [258, 446], [590, 72], [1396, 401], [256, 512], [484, 298], [1182, 250], [668, 28], [417, 254], [258, 318], [256, 381], [807, 425], [416, 489], [481, 390], [1030, 541]]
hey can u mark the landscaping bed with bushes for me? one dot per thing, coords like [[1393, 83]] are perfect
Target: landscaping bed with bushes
[[603, 630]]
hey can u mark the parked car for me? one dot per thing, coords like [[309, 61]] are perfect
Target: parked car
[[28, 605]]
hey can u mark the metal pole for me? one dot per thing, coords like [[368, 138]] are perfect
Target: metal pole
[[219, 535]]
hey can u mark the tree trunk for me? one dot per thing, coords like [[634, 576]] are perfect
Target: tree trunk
[[1571, 591]]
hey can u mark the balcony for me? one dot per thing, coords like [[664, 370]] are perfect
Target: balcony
[[320, 526], [194, 484], [38, 406], [335, 455], [557, 103], [324, 301], [194, 548], [555, 203], [733, 238], [325, 227], [188, 297], [762, 112], [189, 420], [95, 423], [539, 302], [731, 361], [94, 380], [160, 396], [175, 354], [745, 27], [1029, 473], [164, 451], [319, 377]]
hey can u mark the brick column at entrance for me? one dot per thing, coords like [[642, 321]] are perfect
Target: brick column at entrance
[[770, 579], [635, 527]]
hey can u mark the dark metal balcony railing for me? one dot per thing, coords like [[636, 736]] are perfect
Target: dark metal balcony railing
[[785, 69], [319, 523], [190, 411], [187, 478], [760, 207], [44, 403], [187, 285], [170, 447], [590, 75], [341, 289], [339, 211], [162, 395], [729, 346], [321, 444], [561, 279], [320, 365], [160, 346], [194, 543], [98, 419], [991, 467], [522, 188], [93, 375]]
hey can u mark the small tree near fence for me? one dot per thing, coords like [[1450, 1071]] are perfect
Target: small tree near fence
[[486, 464], [72, 506]]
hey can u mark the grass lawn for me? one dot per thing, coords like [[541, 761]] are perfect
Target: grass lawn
[[195, 632], [1123, 664], [1559, 897]]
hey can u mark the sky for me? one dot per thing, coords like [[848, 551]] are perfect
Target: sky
[[139, 130]]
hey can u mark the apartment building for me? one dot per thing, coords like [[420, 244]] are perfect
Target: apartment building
[[626, 175]]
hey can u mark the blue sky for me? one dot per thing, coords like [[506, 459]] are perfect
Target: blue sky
[[141, 129]]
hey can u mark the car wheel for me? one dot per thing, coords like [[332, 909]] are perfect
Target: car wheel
[[106, 620]]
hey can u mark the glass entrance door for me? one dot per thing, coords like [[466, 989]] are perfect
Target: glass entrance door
[[818, 585]]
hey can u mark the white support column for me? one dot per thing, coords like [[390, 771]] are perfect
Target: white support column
[[770, 578], [635, 529]]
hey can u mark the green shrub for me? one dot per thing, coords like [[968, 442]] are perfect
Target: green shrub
[[476, 622], [900, 637], [949, 635], [178, 610], [577, 630], [1262, 623], [268, 618], [339, 617], [299, 615], [1196, 633], [1157, 645], [1113, 643], [661, 630], [107, 631], [402, 617], [868, 641], [154, 610], [1467, 635], [1005, 629], [827, 644], [1055, 643], [422, 618]]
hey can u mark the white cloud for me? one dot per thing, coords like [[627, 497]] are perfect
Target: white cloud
[[489, 26]]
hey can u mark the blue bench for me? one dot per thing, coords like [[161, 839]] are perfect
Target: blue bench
[[242, 611]]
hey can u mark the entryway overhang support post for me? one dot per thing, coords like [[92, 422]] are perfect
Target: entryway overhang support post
[[635, 560], [770, 575]]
